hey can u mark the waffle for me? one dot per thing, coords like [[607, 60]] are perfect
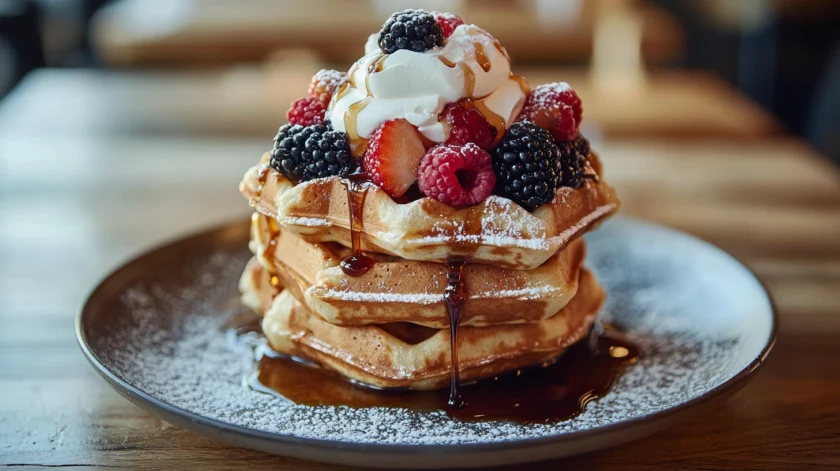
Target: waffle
[[397, 290], [410, 356], [497, 231]]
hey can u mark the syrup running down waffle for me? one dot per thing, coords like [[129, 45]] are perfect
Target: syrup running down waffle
[[418, 223]]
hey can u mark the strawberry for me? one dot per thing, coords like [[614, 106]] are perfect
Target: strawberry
[[393, 155]]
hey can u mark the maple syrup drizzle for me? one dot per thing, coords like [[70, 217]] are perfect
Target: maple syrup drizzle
[[454, 298], [271, 249], [258, 222], [344, 88], [469, 80], [501, 49], [262, 178], [496, 121], [481, 57], [551, 392], [524, 86], [358, 144], [357, 263], [446, 62], [272, 227], [376, 66]]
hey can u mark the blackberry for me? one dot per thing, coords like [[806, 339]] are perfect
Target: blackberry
[[573, 157], [307, 152], [415, 30], [527, 165]]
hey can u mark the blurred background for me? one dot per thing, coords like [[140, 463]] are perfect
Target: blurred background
[[124, 123], [231, 67]]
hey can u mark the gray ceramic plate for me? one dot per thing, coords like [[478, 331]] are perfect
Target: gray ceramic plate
[[155, 330]]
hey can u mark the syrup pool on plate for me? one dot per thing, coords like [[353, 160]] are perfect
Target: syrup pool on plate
[[547, 393]]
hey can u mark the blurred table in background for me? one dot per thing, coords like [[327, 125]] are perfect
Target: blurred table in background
[[97, 166], [188, 32], [253, 102]]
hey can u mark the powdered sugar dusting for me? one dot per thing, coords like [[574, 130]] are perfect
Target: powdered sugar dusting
[[534, 292], [584, 222], [306, 222], [698, 317], [489, 239], [507, 231], [383, 297]]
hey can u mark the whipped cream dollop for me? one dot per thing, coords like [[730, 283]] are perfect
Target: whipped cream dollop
[[416, 86]]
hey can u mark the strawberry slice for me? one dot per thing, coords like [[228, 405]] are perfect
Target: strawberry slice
[[393, 155]]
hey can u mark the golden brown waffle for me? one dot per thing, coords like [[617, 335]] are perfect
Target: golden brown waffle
[[397, 290], [497, 232], [409, 356]]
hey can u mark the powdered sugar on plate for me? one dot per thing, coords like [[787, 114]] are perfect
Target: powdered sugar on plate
[[698, 316]]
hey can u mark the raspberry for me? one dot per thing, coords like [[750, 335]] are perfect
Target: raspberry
[[415, 30], [528, 165], [307, 111], [307, 152], [447, 22], [457, 175], [556, 107], [467, 124], [325, 83]]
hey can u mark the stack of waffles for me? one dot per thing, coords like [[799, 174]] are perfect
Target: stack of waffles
[[513, 280], [419, 221]]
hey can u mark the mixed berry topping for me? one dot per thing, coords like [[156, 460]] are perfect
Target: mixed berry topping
[[305, 153], [392, 156], [527, 164], [458, 175], [415, 30], [325, 84], [307, 111], [538, 154], [573, 157], [556, 107], [447, 22], [467, 124]]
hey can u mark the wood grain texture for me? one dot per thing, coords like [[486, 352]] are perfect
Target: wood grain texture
[[74, 204], [252, 102], [72, 208]]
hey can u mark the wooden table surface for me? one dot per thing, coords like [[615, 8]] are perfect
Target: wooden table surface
[[221, 32], [253, 102], [75, 202]]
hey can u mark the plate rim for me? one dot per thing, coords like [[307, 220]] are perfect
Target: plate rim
[[144, 399]]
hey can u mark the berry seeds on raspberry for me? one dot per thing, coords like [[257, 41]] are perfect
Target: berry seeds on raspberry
[[459, 176], [307, 111], [467, 124], [447, 22], [556, 107], [415, 30], [325, 84]]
